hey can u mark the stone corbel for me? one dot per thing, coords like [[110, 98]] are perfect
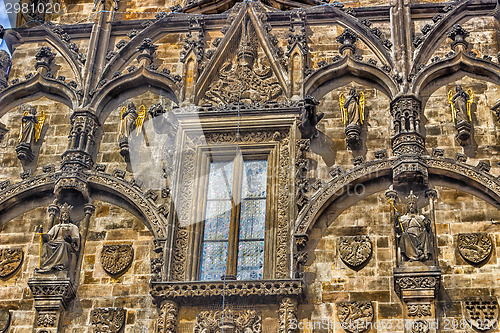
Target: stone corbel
[[51, 300]]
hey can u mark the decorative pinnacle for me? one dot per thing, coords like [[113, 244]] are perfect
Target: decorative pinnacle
[[458, 35], [147, 49], [348, 38]]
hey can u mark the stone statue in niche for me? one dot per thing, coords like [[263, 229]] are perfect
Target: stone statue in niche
[[309, 118], [460, 103], [60, 245], [413, 232], [5, 64], [29, 133], [352, 108], [130, 120]]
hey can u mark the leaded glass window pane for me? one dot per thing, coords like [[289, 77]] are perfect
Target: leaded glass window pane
[[214, 260], [250, 260]]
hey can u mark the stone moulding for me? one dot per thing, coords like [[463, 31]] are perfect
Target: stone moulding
[[208, 292]]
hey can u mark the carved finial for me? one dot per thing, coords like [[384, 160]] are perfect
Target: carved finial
[[348, 38], [45, 59], [458, 35], [247, 49], [147, 49]]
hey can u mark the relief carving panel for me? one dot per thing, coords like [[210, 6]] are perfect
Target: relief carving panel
[[116, 259], [107, 320], [474, 247], [355, 250], [228, 320], [481, 313], [10, 260], [355, 316]]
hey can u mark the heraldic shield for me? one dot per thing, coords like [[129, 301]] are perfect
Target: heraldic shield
[[481, 312], [355, 251], [116, 259], [10, 261], [108, 320], [475, 247]]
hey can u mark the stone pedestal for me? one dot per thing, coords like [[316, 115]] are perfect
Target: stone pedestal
[[353, 136], [24, 152], [52, 297], [417, 287], [464, 129]]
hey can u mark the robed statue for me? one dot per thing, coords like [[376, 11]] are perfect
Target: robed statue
[[309, 118], [130, 120], [461, 103], [60, 246], [352, 109], [31, 125], [413, 232]]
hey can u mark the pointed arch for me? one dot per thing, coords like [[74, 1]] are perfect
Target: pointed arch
[[345, 70], [374, 176], [461, 13], [34, 88], [132, 84], [37, 191], [452, 69]]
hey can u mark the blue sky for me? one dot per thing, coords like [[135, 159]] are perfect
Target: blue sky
[[4, 20]]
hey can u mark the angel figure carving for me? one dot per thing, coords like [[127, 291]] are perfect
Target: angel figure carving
[[352, 109], [31, 125], [131, 120]]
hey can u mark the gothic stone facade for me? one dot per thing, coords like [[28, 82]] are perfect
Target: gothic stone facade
[[378, 123]]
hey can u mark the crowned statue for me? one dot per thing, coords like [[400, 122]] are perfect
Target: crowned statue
[[413, 232], [461, 103], [352, 109], [60, 246]]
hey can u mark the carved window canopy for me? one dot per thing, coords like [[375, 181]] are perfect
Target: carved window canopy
[[210, 292]]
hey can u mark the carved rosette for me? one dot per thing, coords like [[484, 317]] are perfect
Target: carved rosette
[[481, 312], [10, 261], [355, 251], [356, 316], [228, 320], [475, 247], [4, 320], [116, 259], [107, 320], [287, 315]]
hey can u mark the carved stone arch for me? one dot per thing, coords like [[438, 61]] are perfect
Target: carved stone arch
[[65, 52], [126, 54], [34, 88], [374, 43], [460, 14], [344, 71], [38, 190], [376, 175], [449, 70], [129, 85]]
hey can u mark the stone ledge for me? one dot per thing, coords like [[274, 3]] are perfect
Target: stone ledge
[[200, 292], [52, 290]]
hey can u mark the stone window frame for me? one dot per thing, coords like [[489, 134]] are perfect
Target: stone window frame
[[268, 150]]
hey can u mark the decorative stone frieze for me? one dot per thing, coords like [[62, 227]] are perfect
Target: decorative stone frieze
[[107, 320], [228, 320], [356, 316], [208, 292], [412, 286], [475, 247], [10, 261], [116, 258], [419, 309], [481, 312]]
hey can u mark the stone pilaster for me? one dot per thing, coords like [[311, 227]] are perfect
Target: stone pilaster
[[78, 158], [408, 143], [288, 315], [168, 318]]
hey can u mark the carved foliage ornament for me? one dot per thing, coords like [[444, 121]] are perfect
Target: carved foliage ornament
[[355, 316], [355, 250], [10, 260], [116, 259], [419, 309], [245, 321], [107, 320], [481, 313], [4, 320], [475, 247]]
